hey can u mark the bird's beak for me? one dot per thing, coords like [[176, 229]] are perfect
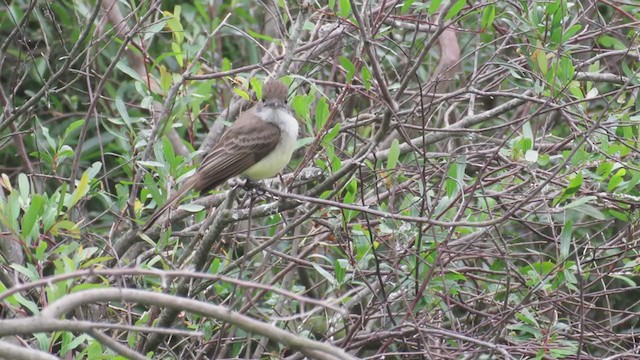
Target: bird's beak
[[274, 103]]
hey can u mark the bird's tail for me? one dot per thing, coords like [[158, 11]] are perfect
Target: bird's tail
[[184, 188]]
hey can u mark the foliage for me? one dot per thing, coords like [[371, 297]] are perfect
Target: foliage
[[466, 182]]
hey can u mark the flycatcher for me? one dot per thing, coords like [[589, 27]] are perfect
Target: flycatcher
[[258, 145]]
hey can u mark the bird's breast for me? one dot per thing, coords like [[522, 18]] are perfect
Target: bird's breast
[[280, 156]]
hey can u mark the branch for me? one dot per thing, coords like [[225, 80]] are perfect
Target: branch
[[70, 59], [76, 300]]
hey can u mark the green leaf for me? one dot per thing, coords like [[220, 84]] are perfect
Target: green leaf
[[527, 317], [301, 105], [168, 152], [302, 142], [94, 350], [543, 160], [611, 42], [575, 90], [325, 274], [405, 6], [335, 130], [81, 190], [552, 73], [173, 23], [28, 304], [41, 251], [540, 268], [28, 271], [151, 164], [322, 113], [556, 35], [74, 125], [50, 141], [31, 216], [572, 188], [352, 188], [434, 6], [366, 78], [215, 266], [122, 110], [345, 8], [565, 239], [256, 85], [522, 145], [568, 34], [394, 154], [552, 8], [616, 179], [62, 198], [10, 299], [166, 79], [122, 66], [95, 261], [226, 64], [88, 286], [339, 270], [336, 163], [574, 184], [540, 59], [243, 94], [24, 187], [12, 211], [153, 29], [592, 211], [488, 15], [259, 36], [77, 341], [635, 179], [567, 71], [148, 240], [177, 53], [626, 279], [94, 169], [71, 229], [455, 178], [618, 215], [349, 67], [455, 9]]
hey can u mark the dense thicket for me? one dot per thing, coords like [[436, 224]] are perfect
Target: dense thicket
[[466, 183]]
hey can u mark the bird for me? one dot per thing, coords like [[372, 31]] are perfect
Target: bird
[[258, 145]]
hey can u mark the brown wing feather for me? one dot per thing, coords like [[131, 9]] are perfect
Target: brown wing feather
[[240, 148], [243, 145]]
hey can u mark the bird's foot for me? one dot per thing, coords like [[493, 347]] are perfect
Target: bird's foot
[[254, 186], [248, 185]]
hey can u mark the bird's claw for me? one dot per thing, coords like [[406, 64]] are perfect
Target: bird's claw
[[248, 185]]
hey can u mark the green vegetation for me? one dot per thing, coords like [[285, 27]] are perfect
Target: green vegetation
[[466, 183]]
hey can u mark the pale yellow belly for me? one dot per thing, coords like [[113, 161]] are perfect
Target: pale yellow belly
[[271, 164], [279, 157]]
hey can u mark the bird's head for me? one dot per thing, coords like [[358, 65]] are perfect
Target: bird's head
[[274, 94]]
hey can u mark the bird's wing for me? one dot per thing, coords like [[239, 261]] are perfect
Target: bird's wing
[[240, 147]]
